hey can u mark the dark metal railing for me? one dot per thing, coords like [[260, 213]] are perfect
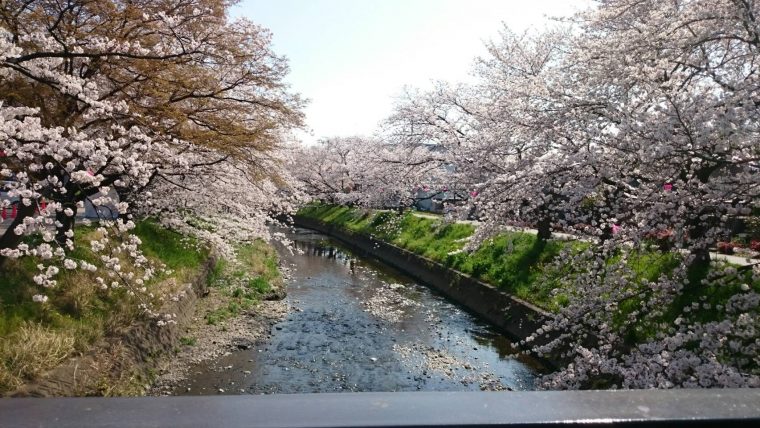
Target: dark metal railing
[[652, 408]]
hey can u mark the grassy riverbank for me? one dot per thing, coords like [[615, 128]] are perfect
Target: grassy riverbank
[[37, 337], [79, 315], [516, 262], [243, 283]]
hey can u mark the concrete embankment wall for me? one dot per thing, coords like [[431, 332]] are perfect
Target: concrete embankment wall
[[516, 317]]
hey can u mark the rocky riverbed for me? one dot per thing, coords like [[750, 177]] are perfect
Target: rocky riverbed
[[205, 342], [350, 324]]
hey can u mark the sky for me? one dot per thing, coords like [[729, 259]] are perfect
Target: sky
[[353, 58]]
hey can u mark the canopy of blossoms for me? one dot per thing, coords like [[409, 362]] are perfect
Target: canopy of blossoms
[[153, 108]]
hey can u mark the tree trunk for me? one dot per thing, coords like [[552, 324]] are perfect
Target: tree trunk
[[606, 234], [701, 253], [701, 256], [544, 227]]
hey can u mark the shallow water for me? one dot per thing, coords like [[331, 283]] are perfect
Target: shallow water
[[358, 325]]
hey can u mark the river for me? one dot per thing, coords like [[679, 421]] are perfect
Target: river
[[358, 325]]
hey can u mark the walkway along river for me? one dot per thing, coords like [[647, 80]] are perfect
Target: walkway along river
[[357, 325]]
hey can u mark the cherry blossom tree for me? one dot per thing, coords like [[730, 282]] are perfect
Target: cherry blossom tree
[[168, 103], [499, 132], [632, 122], [332, 170], [662, 95], [440, 125], [371, 172]]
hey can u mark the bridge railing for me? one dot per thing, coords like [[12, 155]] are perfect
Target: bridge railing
[[652, 408]]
